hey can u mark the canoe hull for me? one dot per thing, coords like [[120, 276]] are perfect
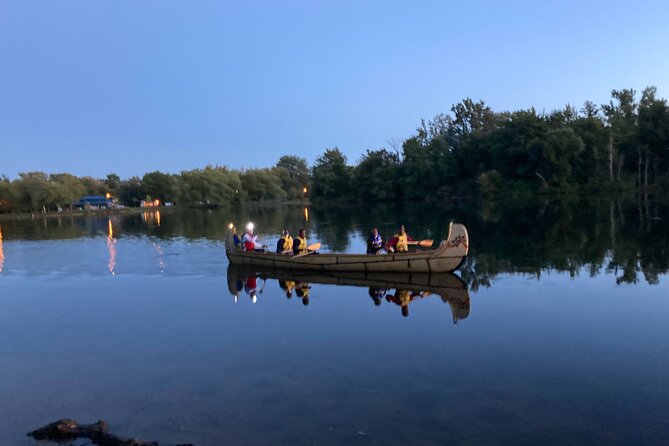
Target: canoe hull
[[446, 258]]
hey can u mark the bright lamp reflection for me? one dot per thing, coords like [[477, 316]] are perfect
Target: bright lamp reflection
[[111, 247]]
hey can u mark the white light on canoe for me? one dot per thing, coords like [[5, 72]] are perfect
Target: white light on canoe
[[249, 227], [230, 226]]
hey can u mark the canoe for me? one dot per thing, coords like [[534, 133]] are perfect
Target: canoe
[[447, 286], [448, 257]]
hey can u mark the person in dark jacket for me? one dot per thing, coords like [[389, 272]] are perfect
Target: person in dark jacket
[[374, 242]]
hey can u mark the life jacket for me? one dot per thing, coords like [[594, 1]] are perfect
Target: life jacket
[[249, 242], [236, 240], [402, 244], [287, 243], [301, 244]]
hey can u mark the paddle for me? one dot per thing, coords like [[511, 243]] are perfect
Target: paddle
[[424, 243], [310, 250]]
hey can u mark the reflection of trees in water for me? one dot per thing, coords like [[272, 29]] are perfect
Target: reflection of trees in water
[[628, 238], [530, 236]]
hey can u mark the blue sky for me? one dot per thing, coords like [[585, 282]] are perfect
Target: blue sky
[[127, 86]]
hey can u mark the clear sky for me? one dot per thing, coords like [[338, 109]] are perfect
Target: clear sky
[[130, 86]]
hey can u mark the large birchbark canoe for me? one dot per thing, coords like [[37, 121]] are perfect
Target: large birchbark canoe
[[448, 257]]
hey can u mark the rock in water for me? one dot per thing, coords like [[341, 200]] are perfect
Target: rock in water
[[98, 433]]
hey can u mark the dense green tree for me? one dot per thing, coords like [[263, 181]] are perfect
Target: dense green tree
[[377, 175], [332, 176], [131, 192], [212, 185], [67, 189], [262, 184], [112, 181], [415, 170], [6, 195], [161, 186], [560, 150], [33, 191], [294, 175]]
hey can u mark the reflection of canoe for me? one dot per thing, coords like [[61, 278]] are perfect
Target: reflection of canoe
[[447, 257], [449, 287]]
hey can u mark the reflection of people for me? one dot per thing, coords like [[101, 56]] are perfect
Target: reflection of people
[[302, 291], [377, 295], [239, 286], [374, 242], [288, 286], [403, 298], [285, 243], [251, 287], [399, 242], [300, 244]]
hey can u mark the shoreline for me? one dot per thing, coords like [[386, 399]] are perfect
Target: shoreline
[[135, 210]]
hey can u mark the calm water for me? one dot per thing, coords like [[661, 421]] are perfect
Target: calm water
[[556, 331]]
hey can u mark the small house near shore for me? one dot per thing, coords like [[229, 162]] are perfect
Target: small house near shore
[[95, 201]]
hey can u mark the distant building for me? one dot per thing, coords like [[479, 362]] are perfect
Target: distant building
[[95, 201], [149, 203]]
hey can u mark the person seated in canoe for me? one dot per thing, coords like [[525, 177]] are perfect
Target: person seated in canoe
[[235, 238], [285, 243], [374, 242], [300, 244], [399, 242], [250, 240]]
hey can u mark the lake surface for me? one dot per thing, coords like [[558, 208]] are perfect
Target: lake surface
[[555, 331]]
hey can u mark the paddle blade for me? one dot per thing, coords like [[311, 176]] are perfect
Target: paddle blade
[[314, 246], [426, 243]]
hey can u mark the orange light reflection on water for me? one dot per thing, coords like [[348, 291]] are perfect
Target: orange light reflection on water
[[306, 215], [111, 246], [151, 217]]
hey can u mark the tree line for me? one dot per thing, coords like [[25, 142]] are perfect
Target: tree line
[[473, 150], [210, 186]]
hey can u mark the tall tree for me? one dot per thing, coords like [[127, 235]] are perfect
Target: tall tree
[[331, 175]]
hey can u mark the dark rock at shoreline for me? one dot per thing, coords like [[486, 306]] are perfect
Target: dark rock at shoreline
[[67, 429]]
